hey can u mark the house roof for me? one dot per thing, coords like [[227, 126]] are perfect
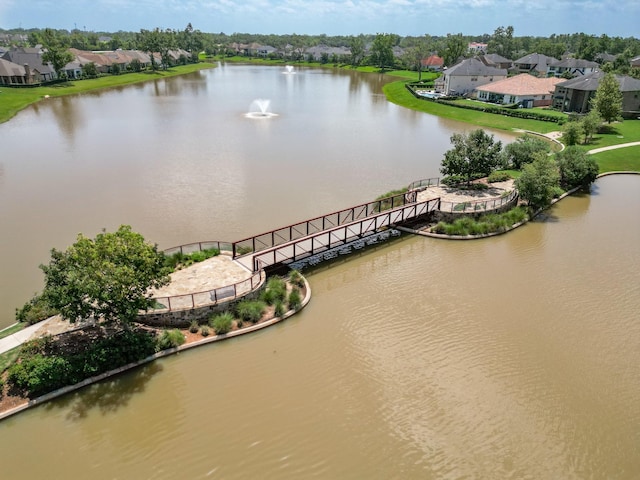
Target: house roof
[[34, 60], [537, 60], [495, 58], [574, 63], [472, 67], [591, 81], [10, 69], [523, 84], [433, 61]]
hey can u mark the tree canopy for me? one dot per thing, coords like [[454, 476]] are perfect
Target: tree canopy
[[382, 50], [576, 167], [538, 181], [472, 153], [522, 151], [107, 277], [608, 98], [54, 51]]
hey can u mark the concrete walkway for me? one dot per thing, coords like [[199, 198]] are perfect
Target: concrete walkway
[[613, 147], [15, 340]]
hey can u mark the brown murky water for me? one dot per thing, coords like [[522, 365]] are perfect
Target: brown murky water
[[513, 357]]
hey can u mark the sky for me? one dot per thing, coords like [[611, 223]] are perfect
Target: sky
[[331, 17]]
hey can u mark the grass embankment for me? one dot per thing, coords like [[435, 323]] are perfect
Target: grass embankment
[[620, 160], [12, 100], [397, 93], [16, 327]]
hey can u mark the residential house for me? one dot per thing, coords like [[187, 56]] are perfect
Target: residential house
[[603, 58], [102, 62], [318, 51], [635, 62], [575, 95], [14, 74], [477, 47], [73, 69], [433, 62], [534, 63], [466, 76], [495, 60], [31, 57], [523, 89], [571, 66]]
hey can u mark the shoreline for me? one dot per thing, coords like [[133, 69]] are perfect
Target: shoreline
[[29, 403]]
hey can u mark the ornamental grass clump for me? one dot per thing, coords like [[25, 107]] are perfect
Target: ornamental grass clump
[[295, 299], [169, 339], [275, 291], [194, 326], [296, 278], [250, 310], [222, 323]]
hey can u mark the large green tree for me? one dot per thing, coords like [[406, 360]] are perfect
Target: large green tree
[[608, 98], [522, 151], [538, 181], [356, 45], [54, 51], [472, 153], [576, 167], [108, 277], [455, 48], [382, 50]]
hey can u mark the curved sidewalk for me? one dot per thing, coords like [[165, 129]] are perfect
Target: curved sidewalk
[[613, 147]]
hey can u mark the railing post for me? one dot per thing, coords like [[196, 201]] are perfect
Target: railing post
[[169, 302]]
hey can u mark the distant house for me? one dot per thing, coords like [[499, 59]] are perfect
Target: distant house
[[31, 57], [319, 51], [495, 60], [476, 47], [102, 62], [571, 66], [534, 63], [575, 95], [635, 62], [433, 62], [602, 58], [524, 89], [466, 76], [14, 74]]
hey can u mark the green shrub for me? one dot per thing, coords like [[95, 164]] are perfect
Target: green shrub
[[35, 310], [46, 365], [194, 326], [250, 310], [295, 299], [498, 177], [386, 202], [557, 191], [39, 374], [169, 339], [518, 113], [296, 278], [222, 323], [275, 291], [180, 260], [489, 223], [279, 309], [204, 331]]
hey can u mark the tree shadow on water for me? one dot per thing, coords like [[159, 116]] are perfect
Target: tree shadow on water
[[109, 395]]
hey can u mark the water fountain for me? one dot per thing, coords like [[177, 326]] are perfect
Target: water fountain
[[259, 108], [288, 69]]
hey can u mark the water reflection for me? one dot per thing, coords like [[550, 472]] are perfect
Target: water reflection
[[108, 396]]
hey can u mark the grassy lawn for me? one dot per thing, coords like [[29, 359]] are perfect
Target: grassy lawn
[[622, 159], [12, 100], [13, 329], [398, 94], [615, 134], [7, 358]]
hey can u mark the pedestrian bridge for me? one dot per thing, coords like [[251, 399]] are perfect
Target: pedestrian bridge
[[323, 235]]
